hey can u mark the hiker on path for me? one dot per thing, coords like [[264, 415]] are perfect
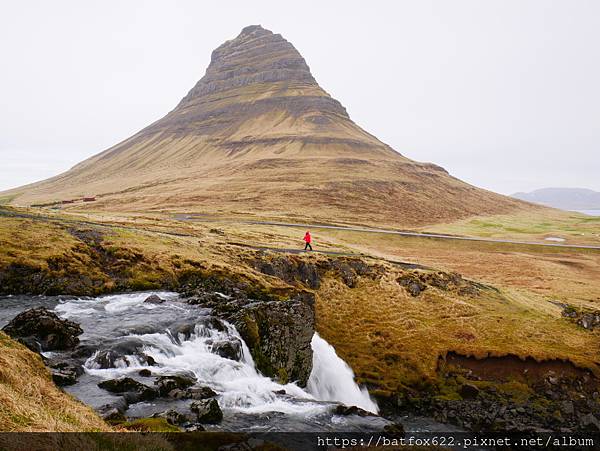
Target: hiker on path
[[307, 240]]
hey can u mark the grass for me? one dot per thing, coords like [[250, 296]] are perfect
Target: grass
[[574, 228], [150, 425], [29, 400], [391, 339]]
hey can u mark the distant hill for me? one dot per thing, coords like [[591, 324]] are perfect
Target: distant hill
[[258, 134], [563, 198]]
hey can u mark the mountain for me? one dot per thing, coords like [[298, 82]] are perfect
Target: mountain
[[257, 134], [563, 198]]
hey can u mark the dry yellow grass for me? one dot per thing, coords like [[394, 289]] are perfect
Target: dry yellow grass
[[29, 400], [392, 339]]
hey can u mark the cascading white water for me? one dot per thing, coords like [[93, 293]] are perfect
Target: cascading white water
[[332, 379], [241, 388]]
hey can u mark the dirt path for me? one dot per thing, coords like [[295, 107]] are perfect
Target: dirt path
[[185, 217]]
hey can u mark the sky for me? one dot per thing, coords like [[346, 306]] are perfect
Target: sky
[[503, 94]]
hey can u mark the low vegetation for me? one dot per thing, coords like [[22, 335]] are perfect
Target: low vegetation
[[29, 400]]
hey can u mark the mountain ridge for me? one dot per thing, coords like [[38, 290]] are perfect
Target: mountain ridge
[[258, 134], [563, 198]]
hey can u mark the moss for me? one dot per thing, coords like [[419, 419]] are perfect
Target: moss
[[282, 375], [519, 392], [150, 425]]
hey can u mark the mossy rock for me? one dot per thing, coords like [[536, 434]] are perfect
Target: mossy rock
[[150, 425]]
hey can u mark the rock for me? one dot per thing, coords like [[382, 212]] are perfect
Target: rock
[[589, 422], [178, 394], [412, 284], [64, 372], [64, 377], [280, 392], [229, 349], [113, 416], [118, 353], [291, 269], [567, 408], [469, 391], [201, 393], [352, 410], [278, 334], [346, 272], [166, 384], [207, 411], [134, 391], [145, 372], [394, 429], [114, 412], [172, 417], [153, 299], [44, 327]]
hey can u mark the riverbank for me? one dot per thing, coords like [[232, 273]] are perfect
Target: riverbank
[[394, 324]]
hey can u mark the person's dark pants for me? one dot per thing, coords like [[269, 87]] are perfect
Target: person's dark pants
[[308, 246]]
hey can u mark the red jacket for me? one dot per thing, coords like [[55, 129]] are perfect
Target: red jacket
[[307, 237]]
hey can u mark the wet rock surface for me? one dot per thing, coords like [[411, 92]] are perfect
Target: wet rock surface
[[166, 384], [277, 332], [132, 390], [154, 299], [42, 330], [207, 411]]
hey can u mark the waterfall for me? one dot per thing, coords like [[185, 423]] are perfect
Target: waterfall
[[127, 324], [332, 379]]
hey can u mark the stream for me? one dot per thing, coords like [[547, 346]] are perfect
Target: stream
[[177, 338]]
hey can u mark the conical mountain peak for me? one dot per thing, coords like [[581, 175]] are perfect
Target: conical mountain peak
[[257, 133], [255, 56]]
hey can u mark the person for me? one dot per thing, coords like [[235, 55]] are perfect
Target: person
[[307, 240]]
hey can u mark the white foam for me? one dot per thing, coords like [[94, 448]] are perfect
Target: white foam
[[332, 379]]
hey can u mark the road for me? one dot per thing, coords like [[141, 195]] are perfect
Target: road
[[190, 217]]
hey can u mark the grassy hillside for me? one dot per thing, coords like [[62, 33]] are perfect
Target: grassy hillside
[[29, 400]]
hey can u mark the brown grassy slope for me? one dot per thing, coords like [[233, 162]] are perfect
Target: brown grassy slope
[[29, 400], [567, 275], [258, 134]]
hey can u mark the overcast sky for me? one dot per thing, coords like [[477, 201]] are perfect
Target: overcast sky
[[503, 94]]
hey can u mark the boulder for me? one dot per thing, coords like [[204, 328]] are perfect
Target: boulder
[[41, 326], [113, 416], [589, 423], [172, 417], [134, 391], [207, 411], [120, 353], [278, 334], [114, 412], [166, 384], [145, 372], [229, 349], [469, 391], [64, 377], [153, 299], [201, 393], [351, 410], [394, 429]]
